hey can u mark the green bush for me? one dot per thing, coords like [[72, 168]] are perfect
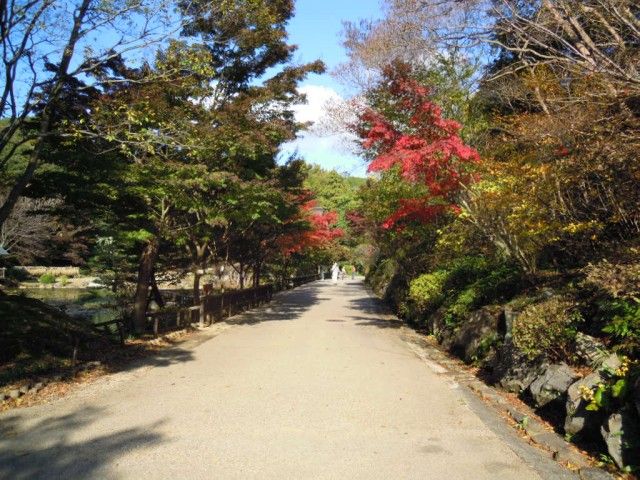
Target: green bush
[[47, 279], [622, 319], [381, 275], [547, 328], [466, 270], [427, 291], [465, 302], [63, 280], [501, 283], [465, 285]]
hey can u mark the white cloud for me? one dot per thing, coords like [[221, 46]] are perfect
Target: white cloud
[[318, 98], [317, 144]]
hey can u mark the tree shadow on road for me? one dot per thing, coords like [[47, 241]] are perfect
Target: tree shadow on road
[[47, 449], [369, 306], [135, 356], [375, 313], [288, 305], [381, 323]]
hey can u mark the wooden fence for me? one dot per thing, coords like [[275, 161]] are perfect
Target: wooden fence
[[212, 308]]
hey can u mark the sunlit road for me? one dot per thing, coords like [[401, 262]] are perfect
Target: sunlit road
[[317, 385]]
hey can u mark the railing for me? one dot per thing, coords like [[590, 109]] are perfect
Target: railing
[[227, 304], [107, 329], [214, 308]]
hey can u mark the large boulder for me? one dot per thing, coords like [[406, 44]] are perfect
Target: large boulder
[[513, 370], [590, 350], [472, 338], [579, 420], [552, 384], [621, 434], [436, 324]]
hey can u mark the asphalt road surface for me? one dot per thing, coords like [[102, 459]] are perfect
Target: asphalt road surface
[[318, 385]]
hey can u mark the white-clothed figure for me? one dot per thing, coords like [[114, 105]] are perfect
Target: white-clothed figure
[[335, 271]]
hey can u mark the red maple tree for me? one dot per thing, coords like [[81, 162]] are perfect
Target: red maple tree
[[426, 147], [321, 232]]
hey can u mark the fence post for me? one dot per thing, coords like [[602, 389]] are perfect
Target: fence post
[[120, 326]]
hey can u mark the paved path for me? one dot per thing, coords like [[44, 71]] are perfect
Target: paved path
[[317, 385]]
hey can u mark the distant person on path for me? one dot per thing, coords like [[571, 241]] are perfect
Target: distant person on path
[[343, 274], [335, 270]]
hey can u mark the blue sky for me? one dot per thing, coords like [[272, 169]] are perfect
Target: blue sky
[[316, 29]]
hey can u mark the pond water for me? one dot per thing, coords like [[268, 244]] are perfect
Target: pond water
[[95, 304]]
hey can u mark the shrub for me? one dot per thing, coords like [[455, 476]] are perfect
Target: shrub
[[618, 280], [463, 304], [427, 291], [466, 270], [381, 275], [500, 284], [622, 319], [63, 280], [547, 328], [47, 279]]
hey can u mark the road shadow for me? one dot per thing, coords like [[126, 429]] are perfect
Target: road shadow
[[375, 313], [46, 449], [381, 323], [285, 306]]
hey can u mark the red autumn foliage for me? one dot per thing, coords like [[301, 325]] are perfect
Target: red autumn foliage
[[427, 149], [321, 233]]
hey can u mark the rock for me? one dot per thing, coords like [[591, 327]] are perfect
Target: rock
[[552, 384], [4, 396], [513, 371], [610, 363], [590, 350], [36, 388], [436, 324], [578, 419], [24, 389], [510, 316], [15, 394], [478, 330], [622, 436]]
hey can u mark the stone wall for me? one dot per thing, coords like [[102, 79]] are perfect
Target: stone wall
[[562, 393]]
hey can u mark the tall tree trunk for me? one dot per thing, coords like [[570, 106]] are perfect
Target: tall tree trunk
[[242, 274], [145, 279], [256, 274], [196, 286], [155, 291], [199, 256]]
